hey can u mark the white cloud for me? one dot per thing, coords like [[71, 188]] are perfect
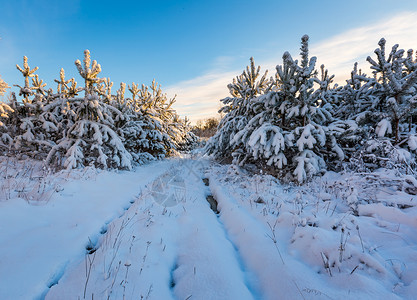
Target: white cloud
[[198, 98], [340, 52]]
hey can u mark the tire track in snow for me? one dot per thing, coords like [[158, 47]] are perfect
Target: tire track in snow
[[289, 278], [280, 275], [250, 279], [258, 253], [207, 266]]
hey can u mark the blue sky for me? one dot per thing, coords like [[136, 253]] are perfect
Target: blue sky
[[194, 48]]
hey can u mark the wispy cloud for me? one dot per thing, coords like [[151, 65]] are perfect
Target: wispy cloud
[[340, 52], [198, 98]]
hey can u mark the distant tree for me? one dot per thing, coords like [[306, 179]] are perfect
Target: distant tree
[[206, 128], [211, 123], [198, 128]]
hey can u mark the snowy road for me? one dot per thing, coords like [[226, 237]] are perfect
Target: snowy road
[[169, 244]]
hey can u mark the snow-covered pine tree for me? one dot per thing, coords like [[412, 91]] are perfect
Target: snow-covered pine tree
[[10, 120], [39, 127], [287, 126], [63, 88], [92, 138], [175, 132], [5, 139], [397, 82], [181, 134], [146, 132], [349, 100], [60, 105], [386, 100], [238, 110], [3, 87], [128, 124], [189, 140], [4, 108], [105, 90], [172, 123], [99, 129], [5, 111], [26, 90], [30, 125], [383, 105]]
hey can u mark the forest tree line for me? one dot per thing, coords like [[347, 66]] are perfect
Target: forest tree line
[[297, 123], [73, 126]]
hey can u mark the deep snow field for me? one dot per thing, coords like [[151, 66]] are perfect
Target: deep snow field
[[150, 234]]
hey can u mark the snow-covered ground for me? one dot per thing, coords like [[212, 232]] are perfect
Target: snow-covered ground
[[150, 234], [46, 220]]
